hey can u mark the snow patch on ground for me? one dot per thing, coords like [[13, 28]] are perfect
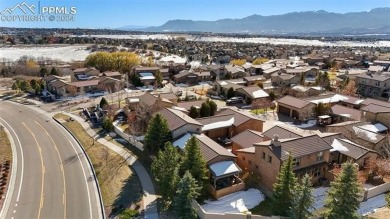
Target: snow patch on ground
[[63, 53], [309, 124], [369, 206], [319, 195], [236, 202]]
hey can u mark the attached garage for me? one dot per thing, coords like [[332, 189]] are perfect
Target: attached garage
[[295, 108]]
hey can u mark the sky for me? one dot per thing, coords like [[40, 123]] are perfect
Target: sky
[[119, 13]]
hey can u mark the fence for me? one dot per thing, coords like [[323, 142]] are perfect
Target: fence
[[132, 140], [206, 215], [377, 190]]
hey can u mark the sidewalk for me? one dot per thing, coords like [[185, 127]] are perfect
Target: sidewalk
[[149, 198]]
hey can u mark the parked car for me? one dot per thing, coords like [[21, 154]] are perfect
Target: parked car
[[224, 141], [191, 97], [235, 100]]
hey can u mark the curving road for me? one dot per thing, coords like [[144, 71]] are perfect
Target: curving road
[[53, 178]]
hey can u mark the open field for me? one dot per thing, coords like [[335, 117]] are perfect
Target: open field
[[120, 186]]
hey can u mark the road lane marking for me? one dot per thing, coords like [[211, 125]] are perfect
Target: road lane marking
[[43, 169], [61, 167], [8, 195]]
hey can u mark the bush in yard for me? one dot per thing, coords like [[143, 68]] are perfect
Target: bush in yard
[[193, 112], [107, 124], [230, 93]]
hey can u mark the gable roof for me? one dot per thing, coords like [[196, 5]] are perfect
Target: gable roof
[[293, 101], [111, 73], [349, 148], [373, 108], [283, 132], [329, 137], [211, 149], [254, 92], [58, 83], [240, 117], [369, 101], [177, 119], [84, 83], [216, 122], [168, 96], [148, 98], [246, 138], [297, 147], [348, 112], [188, 104]]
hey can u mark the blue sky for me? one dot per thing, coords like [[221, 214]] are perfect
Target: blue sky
[[118, 13]]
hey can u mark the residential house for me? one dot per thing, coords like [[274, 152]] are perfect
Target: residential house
[[284, 132], [242, 120], [304, 91], [341, 113], [186, 77], [373, 85], [83, 87], [376, 111], [255, 96], [112, 74], [271, 71], [296, 108], [186, 105], [235, 71], [245, 139], [375, 68], [310, 155], [217, 126], [222, 87], [180, 123], [284, 80], [254, 80], [82, 74], [223, 170], [148, 103]]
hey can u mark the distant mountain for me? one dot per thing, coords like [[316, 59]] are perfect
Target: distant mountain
[[132, 27], [297, 22]]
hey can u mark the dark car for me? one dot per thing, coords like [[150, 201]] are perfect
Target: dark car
[[224, 141], [234, 100]]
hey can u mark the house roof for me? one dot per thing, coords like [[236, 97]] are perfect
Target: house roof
[[140, 68], [349, 148], [215, 119], [255, 78], [376, 68], [376, 102], [297, 147], [373, 108], [227, 85], [384, 76], [240, 117], [177, 119], [183, 74], [327, 98], [246, 138], [348, 112], [271, 70], [329, 137], [293, 101], [283, 132], [84, 83], [224, 168], [254, 92], [377, 127], [168, 96], [211, 149], [58, 83], [188, 104], [147, 98], [250, 150], [112, 73], [353, 100]]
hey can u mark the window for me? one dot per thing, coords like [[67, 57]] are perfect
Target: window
[[296, 162], [320, 155], [377, 83], [316, 172], [263, 155], [269, 159]]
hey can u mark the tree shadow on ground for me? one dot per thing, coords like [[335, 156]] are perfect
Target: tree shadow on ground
[[130, 196]]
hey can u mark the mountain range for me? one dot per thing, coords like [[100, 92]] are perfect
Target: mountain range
[[375, 21]]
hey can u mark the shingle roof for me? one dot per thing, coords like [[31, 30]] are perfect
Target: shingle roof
[[168, 96], [294, 102], [211, 149], [58, 83], [176, 118], [373, 108], [283, 132], [111, 73], [246, 138], [84, 83], [250, 150], [376, 102], [187, 104], [354, 114], [353, 150], [148, 99], [213, 119], [298, 147], [329, 137], [254, 92], [255, 78], [240, 117]]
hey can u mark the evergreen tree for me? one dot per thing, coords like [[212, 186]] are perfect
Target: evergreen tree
[[272, 95], [103, 103], [16, 85], [302, 79], [195, 164], [321, 109], [159, 79], [157, 134], [303, 200], [108, 124], [205, 110], [43, 72], [25, 85], [187, 190], [53, 71], [230, 93], [165, 169], [213, 107], [343, 196], [284, 188], [193, 112]]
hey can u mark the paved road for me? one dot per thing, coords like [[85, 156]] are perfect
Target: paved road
[[53, 179]]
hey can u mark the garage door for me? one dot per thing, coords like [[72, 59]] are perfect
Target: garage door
[[284, 110]]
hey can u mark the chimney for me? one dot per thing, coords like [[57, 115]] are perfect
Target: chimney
[[275, 141]]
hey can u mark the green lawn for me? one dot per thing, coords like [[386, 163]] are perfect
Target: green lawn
[[260, 111]]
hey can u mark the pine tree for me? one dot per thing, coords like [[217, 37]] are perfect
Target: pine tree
[[159, 79], [193, 112], [302, 200], [230, 93], [284, 188], [53, 71], [165, 169], [343, 197], [213, 107], [43, 72], [205, 110], [157, 134], [302, 79], [194, 162], [187, 190], [103, 103]]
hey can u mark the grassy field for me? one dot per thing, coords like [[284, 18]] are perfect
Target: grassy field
[[5, 147], [260, 111], [120, 187]]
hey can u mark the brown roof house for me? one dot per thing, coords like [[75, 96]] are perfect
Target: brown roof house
[[376, 111], [180, 123], [223, 170], [246, 139], [295, 108], [310, 155], [242, 120], [254, 95]]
